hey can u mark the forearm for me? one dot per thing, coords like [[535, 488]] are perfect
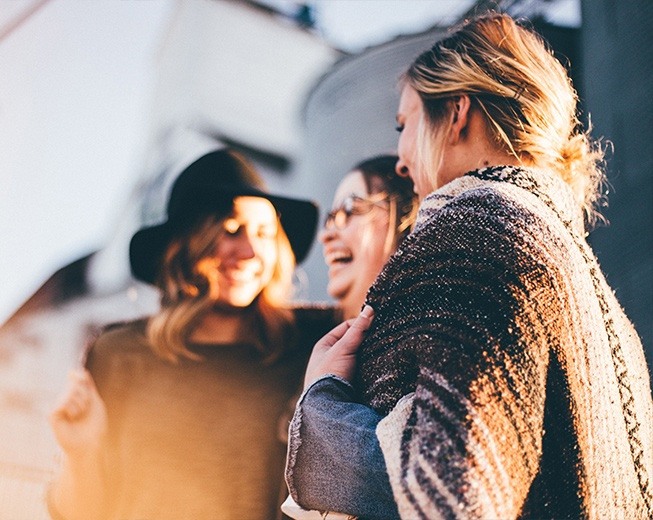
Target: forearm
[[79, 491], [334, 459]]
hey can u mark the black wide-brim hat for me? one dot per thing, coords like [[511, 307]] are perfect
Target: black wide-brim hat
[[208, 187]]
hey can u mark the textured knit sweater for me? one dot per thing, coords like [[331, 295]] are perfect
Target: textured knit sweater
[[513, 383], [197, 440]]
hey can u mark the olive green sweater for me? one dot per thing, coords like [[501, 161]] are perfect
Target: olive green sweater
[[198, 440]]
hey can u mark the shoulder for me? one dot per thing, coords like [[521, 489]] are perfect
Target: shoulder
[[119, 339], [117, 356], [122, 332], [476, 205], [482, 236], [506, 203], [484, 222]]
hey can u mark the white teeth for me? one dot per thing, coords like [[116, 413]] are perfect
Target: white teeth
[[337, 256], [240, 276]]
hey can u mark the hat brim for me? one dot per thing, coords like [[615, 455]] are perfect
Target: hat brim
[[298, 219]]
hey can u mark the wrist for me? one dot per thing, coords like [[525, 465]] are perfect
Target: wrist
[[319, 378]]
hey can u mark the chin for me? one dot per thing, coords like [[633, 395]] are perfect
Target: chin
[[241, 304], [236, 301], [230, 306], [337, 292]]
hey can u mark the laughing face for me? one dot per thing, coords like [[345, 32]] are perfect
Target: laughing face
[[245, 256], [354, 242]]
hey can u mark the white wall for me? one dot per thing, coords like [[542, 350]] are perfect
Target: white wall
[[74, 101], [76, 80]]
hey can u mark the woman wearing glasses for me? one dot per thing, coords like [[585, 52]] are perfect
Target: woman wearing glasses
[[373, 210]]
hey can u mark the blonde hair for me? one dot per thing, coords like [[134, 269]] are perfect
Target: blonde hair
[[185, 295], [523, 91]]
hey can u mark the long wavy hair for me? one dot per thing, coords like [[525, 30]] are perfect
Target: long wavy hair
[[524, 93], [185, 297]]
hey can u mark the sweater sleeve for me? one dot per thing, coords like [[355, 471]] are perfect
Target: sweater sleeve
[[468, 442], [448, 459]]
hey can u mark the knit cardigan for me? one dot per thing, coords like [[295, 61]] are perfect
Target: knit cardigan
[[512, 383]]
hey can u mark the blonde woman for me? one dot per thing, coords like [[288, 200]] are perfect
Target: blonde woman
[[177, 416], [497, 376]]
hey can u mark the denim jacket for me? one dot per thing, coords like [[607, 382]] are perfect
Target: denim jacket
[[334, 461]]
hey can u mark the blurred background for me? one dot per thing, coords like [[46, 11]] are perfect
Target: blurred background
[[103, 102]]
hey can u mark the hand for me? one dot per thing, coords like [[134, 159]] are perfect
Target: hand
[[335, 353], [79, 420]]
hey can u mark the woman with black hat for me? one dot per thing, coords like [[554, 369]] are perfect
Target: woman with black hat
[[177, 416]]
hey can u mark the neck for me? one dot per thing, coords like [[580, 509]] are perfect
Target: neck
[[351, 306], [349, 312], [482, 155], [474, 150], [496, 158], [223, 326]]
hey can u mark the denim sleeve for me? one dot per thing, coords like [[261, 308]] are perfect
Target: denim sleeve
[[335, 462]]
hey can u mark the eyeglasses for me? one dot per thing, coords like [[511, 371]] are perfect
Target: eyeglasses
[[353, 205]]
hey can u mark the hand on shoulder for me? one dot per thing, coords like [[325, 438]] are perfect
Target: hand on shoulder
[[335, 353], [79, 420]]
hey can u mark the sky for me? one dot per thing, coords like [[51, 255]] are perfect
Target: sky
[[75, 91]]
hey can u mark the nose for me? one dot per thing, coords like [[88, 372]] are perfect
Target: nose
[[244, 247], [327, 233], [401, 168]]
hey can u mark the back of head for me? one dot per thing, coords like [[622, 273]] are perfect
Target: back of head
[[524, 93]]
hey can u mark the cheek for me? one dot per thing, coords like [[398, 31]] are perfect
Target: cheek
[[223, 250], [269, 256], [372, 243], [402, 147], [408, 137], [358, 237]]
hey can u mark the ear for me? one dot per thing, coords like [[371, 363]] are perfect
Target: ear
[[461, 106]]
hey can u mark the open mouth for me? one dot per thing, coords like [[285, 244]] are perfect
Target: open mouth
[[338, 258]]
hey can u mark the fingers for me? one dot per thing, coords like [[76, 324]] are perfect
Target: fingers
[[77, 398], [335, 353], [331, 337], [355, 333], [344, 331], [363, 321]]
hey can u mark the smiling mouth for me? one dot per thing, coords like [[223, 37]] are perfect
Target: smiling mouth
[[240, 277], [338, 258]]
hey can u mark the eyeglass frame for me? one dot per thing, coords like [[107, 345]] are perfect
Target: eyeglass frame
[[341, 215]]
